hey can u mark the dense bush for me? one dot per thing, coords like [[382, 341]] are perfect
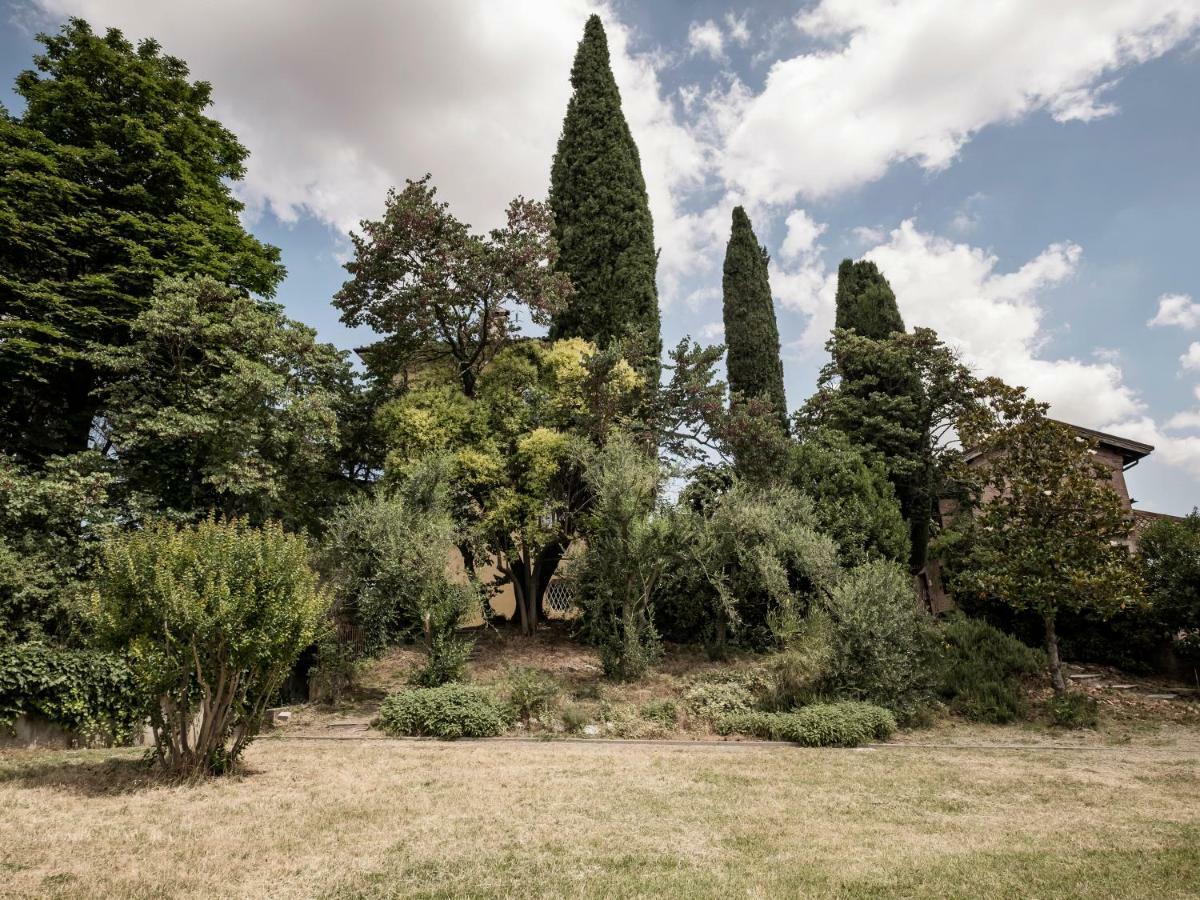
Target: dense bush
[[531, 693], [882, 645], [92, 694], [711, 699], [845, 724], [448, 712], [212, 617], [749, 563], [661, 711], [387, 558], [616, 576], [1170, 554], [854, 501], [52, 521], [1073, 710], [982, 668]]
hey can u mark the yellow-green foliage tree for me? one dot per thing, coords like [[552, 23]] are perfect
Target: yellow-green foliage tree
[[516, 451]]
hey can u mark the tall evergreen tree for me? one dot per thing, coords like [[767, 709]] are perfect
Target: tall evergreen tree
[[602, 215], [865, 301], [113, 178], [751, 333]]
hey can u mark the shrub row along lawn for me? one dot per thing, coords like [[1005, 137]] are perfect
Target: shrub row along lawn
[[368, 819]]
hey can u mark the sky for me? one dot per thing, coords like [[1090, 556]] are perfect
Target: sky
[[1025, 173]]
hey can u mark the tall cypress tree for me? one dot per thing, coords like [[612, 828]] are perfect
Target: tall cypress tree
[[602, 214], [751, 333], [889, 397], [865, 301]]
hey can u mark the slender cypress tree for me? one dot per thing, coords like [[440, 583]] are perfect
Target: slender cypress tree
[[865, 301], [602, 214], [751, 333]]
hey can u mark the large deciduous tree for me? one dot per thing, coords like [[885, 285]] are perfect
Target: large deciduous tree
[[439, 293], [751, 333], [516, 452], [114, 177], [1047, 530], [602, 216], [218, 401]]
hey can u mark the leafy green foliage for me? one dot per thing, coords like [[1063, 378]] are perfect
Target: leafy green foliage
[[709, 700], [212, 617], [531, 693], [218, 401], [616, 576], [854, 502], [440, 293], [661, 711], [1170, 555], [575, 718], [1073, 710], [92, 694], [516, 452], [602, 216], [52, 520], [114, 179], [387, 560], [982, 669], [1047, 536], [865, 303], [748, 566], [881, 640], [900, 398], [751, 333], [448, 712], [845, 724]]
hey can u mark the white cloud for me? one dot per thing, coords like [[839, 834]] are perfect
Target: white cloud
[[802, 234], [336, 103], [1184, 421], [713, 332], [897, 80], [1191, 359], [739, 32], [1180, 452], [707, 37], [1176, 309]]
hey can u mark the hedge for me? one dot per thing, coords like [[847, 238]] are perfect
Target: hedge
[[91, 693], [845, 724], [450, 711]]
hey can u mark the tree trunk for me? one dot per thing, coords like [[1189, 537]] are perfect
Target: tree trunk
[[1056, 673], [543, 571]]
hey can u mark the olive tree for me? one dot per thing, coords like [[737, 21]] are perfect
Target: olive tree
[[212, 617]]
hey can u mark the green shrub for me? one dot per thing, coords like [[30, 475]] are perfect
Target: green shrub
[[662, 712], [93, 694], [844, 724], [386, 558], [531, 693], [882, 644], [575, 718], [212, 618], [335, 671], [796, 674], [1073, 710], [709, 700], [982, 668], [448, 712]]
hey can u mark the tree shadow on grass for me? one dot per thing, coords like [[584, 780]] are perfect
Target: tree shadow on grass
[[90, 777]]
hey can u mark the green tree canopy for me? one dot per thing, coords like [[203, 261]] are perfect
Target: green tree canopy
[[218, 401], [1045, 531], [865, 301], [751, 333], [439, 293], [516, 450], [113, 178], [602, 215]]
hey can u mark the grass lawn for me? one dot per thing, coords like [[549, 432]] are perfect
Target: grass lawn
[[383, 818]]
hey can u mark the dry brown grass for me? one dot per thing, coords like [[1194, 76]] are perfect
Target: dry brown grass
[[399, 818]]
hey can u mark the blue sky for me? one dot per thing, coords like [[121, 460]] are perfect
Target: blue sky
[[1024, 173]]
